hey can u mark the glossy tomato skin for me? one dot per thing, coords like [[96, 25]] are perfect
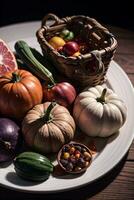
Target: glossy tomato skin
[[63, 93], [70, 48]]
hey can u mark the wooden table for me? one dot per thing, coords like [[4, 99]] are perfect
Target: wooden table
[[118, 183]]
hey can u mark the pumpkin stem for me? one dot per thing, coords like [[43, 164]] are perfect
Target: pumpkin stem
[[101, 99], [47, 116], [15, 77]]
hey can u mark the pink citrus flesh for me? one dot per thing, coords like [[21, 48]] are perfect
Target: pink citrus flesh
[[7, 59]]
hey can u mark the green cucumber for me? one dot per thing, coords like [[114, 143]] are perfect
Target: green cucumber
[[27, 56], [33, 166]]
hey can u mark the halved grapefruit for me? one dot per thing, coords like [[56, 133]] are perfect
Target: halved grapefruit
[[7, 59]]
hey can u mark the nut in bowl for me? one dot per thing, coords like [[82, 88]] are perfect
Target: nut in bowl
[[74, 158]]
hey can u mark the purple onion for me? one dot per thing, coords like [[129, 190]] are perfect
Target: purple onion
[[9, 137]]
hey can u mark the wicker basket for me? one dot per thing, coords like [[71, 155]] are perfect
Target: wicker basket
[[79, 69]]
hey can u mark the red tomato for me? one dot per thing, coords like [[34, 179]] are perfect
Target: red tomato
[[70, 48], [63, 93]]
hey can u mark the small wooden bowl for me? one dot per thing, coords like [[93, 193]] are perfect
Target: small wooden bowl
[[80, 164]]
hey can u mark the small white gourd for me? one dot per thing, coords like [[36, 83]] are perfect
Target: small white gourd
[[98, 111]]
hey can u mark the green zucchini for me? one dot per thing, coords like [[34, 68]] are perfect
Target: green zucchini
[[33, 166], [25, 53], [44, 61]]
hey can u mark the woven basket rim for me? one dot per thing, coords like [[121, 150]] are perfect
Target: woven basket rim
[[42, 40], [102, 52], [79, 67]]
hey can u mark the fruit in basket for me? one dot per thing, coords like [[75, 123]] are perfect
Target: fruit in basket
[[70, 48], [56, 42], [47, 127], [33, 166], [67, 35], [19, 92], [63, 93], [98, 111], [9, 138], [64, 33], [76, 54], [7, 59]]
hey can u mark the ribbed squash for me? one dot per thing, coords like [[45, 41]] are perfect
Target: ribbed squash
[[47, 127], [98, 111]]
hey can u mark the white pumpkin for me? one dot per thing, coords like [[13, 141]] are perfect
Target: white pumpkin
[[98, 111]]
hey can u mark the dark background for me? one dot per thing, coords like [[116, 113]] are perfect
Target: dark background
[[118, 13]]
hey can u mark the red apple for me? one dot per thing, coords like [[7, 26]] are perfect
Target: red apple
[[70, 48], [63, 93]]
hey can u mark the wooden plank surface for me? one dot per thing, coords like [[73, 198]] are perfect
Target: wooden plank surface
[[118, 184]]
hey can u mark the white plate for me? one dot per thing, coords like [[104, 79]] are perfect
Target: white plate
[[112, 150]]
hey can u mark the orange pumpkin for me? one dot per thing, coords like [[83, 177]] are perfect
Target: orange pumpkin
[[19, 92]]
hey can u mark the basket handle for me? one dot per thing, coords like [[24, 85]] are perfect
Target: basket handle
[[56, 20]]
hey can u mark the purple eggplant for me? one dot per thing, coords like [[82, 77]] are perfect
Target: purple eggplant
[[9, 138]]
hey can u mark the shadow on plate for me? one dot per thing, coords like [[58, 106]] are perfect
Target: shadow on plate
[[95, 144], [102, 142], [113, 137], [16, 180], [5, 164]]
